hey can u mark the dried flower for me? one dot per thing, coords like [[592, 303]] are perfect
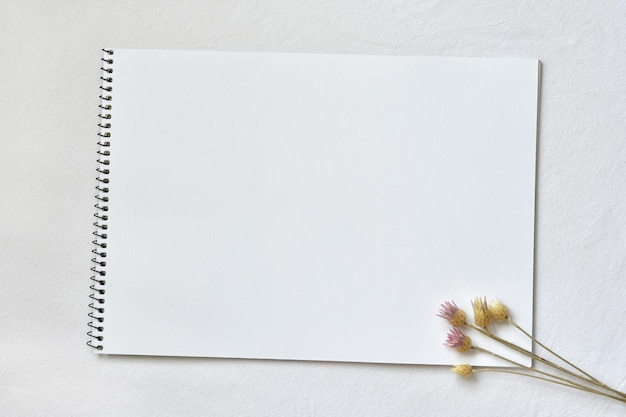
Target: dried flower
[[464, 370], [558, 372], [456, 339], [498, 311], [481, 312], [452, 313]]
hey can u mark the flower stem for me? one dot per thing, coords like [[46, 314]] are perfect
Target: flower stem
[[506, 371], [597, 382], [530, 369], [546, 362], [550, 350]]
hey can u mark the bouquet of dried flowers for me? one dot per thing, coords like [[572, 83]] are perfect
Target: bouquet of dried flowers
[[559, 370]]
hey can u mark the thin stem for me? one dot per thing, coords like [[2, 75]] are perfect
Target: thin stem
[[539, 371], [521, 350], [546, 362], [593, 380], [550, 380], [551, 351]]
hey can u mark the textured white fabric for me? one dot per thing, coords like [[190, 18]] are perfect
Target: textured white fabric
[[48, 106]]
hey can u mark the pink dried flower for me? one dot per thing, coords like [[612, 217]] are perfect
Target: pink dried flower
[[452, 313], [456, 339]]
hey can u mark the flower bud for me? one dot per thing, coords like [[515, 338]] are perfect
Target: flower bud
[[457, 340], [452, 313], [482, 318], [498, 311], [464, 370]]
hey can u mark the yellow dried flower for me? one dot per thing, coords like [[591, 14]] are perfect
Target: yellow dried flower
[[482, 318], [464, 370], [498, 311]]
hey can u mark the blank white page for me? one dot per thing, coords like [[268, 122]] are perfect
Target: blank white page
[[314, 207]]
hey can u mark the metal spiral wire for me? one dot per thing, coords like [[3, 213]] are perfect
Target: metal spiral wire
[[96, 332]]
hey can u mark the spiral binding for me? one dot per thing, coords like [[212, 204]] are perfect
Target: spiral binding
[[99, 261]]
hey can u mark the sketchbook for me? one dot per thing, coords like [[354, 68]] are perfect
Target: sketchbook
[[308, 206]]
